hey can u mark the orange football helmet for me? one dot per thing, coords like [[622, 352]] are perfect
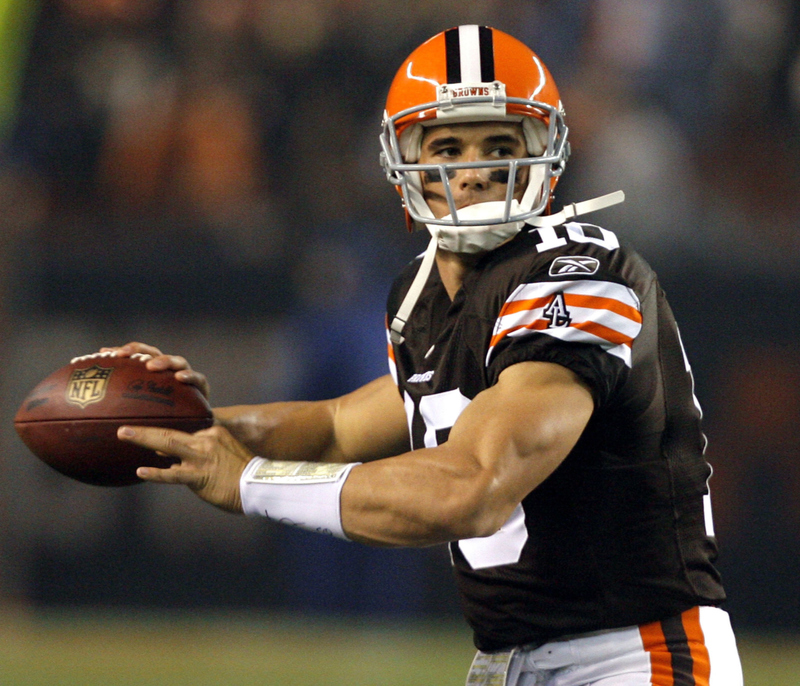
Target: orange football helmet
[[470, 74]]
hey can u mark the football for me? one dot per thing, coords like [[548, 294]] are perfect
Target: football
[[70, 419]]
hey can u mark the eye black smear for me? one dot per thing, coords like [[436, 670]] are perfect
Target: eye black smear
[[435, 177], [495, 176]]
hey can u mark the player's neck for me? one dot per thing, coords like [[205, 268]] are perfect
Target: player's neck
[[453, 268]]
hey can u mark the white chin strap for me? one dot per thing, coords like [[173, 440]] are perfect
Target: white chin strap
[[472, 239]]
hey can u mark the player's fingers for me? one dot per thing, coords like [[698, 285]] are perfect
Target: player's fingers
[[163, 362], [168, 441], [132, 348], [183, 371], [194, 378], [175, 474]]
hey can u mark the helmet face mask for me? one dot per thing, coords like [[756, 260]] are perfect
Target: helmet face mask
[[519, 89]]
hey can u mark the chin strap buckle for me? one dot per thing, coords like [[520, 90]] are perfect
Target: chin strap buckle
[[395, 331]]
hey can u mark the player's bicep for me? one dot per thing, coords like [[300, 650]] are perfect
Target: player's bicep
[[523, 427], [370, 422]]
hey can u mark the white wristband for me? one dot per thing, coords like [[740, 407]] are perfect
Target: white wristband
[[304, 494]]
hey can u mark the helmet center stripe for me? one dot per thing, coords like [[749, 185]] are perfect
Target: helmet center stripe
[[453, 55], [487, 54], [469, 38]]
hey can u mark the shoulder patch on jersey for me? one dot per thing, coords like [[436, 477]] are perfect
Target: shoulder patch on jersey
[[576, 265], [601, 313]]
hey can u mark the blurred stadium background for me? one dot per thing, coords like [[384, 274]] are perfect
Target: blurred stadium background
[[203, 175]]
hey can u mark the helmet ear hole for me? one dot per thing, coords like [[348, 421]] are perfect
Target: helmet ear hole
[[411, 143], [536, 136]]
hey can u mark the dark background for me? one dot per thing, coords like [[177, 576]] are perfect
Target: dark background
[[203, 175]]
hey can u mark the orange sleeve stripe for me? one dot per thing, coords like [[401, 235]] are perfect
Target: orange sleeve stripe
[[701, 662], [597, 303], [391, 352], [660, 658], [537, 325], [514, 306], [593, 328], [610, 335]]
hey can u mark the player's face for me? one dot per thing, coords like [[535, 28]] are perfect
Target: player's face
[[484, 141]]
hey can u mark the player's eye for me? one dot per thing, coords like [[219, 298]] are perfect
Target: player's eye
[[450, 152], [503, 151]]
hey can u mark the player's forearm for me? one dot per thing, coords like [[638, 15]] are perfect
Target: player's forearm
[[423, 498], [367, 424], [301, 431]]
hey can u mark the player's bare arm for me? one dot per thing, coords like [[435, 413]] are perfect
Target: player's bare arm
[[470, 485], [364, 425]]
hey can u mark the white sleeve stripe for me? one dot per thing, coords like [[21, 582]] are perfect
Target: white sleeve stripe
[[603, 289]]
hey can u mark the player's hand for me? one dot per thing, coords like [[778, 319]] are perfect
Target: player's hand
[[211, 461], [160, 362]]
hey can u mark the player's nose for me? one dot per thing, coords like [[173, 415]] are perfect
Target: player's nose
[[474, 179]]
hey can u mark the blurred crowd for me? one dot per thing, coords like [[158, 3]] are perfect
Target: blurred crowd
[[203, 175]]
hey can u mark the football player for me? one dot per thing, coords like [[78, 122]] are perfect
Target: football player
[[538, 375]]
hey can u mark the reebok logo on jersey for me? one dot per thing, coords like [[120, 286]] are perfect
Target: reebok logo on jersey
[[421, 378], [577, 266]]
